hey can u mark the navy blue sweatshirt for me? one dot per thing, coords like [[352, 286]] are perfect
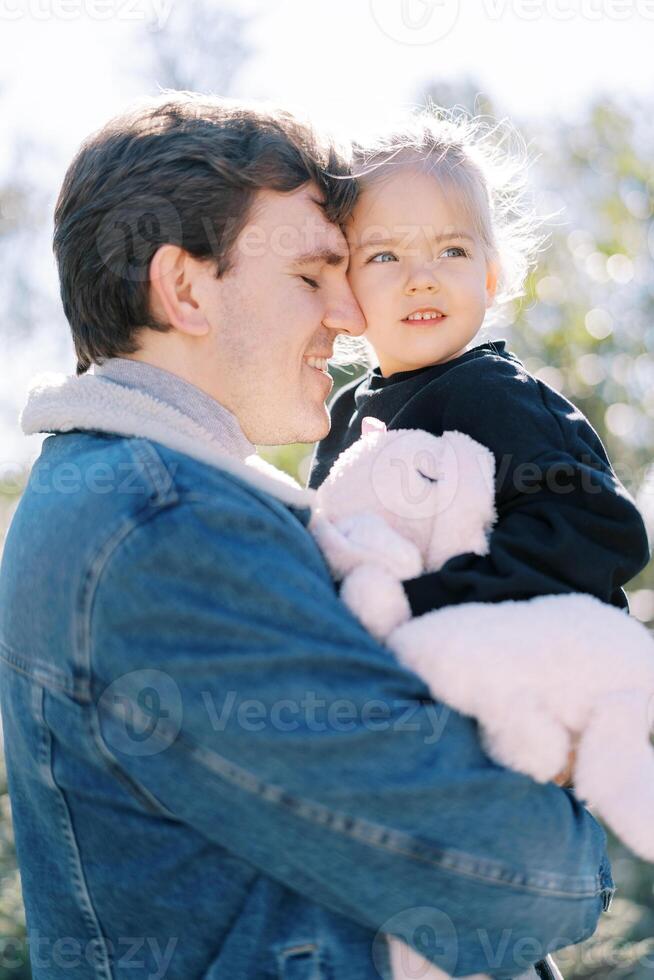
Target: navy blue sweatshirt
[[565, 522]]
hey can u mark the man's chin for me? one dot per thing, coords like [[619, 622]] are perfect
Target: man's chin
[[312, 426], [305, 429]]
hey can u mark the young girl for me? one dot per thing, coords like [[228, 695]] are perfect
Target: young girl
[[437, 238]]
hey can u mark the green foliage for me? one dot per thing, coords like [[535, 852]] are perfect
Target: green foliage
[[585, 325], [14, 958], [623, 946]]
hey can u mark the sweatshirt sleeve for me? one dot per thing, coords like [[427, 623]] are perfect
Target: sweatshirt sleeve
[[565, 522]]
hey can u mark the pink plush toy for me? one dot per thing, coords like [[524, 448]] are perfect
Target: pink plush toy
[[397, 504], [535, 674]]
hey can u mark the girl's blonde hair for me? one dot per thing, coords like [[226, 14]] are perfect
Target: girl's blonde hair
[[486, 163]]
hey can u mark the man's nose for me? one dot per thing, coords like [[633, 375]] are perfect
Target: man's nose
[[345, 315]]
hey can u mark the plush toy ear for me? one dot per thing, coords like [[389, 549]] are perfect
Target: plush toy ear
[[369, 424]]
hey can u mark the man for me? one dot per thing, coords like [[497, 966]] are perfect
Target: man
[[214, 770]]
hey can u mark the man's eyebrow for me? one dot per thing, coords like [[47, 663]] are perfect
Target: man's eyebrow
[[442, 237], [328, 256]]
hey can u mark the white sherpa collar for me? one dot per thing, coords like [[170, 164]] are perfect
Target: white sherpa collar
[[61, 403]]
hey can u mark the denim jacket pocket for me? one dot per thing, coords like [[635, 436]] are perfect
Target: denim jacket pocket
[[302, 961]]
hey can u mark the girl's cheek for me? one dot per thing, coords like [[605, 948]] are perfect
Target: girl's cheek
[[359, 276]]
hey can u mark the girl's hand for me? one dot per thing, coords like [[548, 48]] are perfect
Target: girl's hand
[[564, 778]]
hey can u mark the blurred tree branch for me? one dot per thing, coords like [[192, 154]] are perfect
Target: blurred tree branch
[[201, 48]]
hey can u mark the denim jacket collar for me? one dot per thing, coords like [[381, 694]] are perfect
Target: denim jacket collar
[[63, 403]]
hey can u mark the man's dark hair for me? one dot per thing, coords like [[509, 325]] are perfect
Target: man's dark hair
[[181, 169]]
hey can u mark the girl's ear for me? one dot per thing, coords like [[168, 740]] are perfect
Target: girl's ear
[[492, 276]]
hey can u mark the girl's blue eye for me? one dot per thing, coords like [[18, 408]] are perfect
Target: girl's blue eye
[[380, 256], [456, 248]]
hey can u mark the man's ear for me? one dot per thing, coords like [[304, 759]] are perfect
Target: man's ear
[[492, 277], [173, 275]]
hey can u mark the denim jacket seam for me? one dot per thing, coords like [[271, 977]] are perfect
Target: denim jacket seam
[[155, 506], [113, 767], [383, 838], [83, 619], [88, 588], [43, 674], [102, 964], [96, 566], [145, 452]]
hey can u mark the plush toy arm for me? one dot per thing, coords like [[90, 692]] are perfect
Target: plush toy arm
[[340, 554], [377, 599], [511, 666], [540, 673], [365, 538]]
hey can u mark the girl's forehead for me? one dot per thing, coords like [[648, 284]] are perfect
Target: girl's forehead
[[411, 195]]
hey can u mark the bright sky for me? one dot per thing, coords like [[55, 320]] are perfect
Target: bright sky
[[348, 61], [67, 65]]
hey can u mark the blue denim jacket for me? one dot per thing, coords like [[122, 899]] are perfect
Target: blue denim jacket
[[215, 772]]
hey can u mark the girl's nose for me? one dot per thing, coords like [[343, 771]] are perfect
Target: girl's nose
[[424, 279]]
